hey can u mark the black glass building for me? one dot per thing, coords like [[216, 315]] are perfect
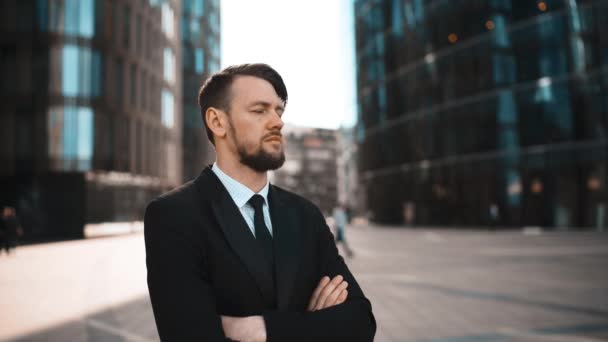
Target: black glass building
[[465, 105], [201, 58], [91, 109]]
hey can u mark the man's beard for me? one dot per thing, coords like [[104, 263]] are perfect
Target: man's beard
[[260, 161]]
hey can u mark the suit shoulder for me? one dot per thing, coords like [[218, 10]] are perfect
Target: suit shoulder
[[295, 199], [178, 197]]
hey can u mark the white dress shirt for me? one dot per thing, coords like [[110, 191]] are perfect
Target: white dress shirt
[[241, 194]]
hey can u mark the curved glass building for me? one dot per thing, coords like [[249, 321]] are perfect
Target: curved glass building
[[484, 112], [91, 112]]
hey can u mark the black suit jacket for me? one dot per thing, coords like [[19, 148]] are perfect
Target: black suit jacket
[[204, 262]]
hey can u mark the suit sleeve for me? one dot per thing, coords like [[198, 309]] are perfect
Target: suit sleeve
[[351, 321], [182, 299]]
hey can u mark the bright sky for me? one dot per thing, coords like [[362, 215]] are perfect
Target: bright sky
[[310, 43]]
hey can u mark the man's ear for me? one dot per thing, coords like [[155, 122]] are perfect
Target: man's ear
[[216, 121]]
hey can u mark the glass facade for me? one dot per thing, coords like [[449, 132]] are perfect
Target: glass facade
[[71, 137], [467, 104], [80, 71], [75, 18], [93, 112], [200, 58]]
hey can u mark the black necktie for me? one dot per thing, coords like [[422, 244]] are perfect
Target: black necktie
[[262, 235]]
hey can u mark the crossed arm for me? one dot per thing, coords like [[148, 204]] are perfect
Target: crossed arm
[[329, 292]]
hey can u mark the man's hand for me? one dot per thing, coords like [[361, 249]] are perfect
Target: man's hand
[[244, 329], [328, 293]]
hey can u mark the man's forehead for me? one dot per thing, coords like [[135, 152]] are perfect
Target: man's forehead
[[251, 89]]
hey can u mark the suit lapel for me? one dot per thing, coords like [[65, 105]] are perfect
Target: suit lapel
[[237, 232], [286, 237]]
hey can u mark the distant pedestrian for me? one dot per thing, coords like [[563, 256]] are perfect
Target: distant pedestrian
[[349, 213], [12, 230], [340, 221], [494, 216]]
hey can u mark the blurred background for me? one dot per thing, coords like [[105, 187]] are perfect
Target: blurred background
[[465, 139]]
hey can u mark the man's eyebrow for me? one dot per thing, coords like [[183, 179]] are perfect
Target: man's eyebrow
[[265, 104]]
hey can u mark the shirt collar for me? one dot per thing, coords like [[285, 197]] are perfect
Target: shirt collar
[[239, 192]]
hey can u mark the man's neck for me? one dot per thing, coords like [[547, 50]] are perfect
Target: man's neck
[[243, 174]]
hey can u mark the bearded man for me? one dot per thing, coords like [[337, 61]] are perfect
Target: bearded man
[[230, 256]]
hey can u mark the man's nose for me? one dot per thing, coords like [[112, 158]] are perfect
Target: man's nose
[[276, 121]]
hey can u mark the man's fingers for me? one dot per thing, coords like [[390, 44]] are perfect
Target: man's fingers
[[342, 297], [331, 300], [329, 288], [315, 295]]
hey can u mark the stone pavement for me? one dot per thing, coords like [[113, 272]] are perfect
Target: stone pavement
[[426, 285]]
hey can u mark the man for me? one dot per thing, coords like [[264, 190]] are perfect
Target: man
[[340, 222], [231, 256], [11, 229]]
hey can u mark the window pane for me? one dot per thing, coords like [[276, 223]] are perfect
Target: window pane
[[71, 17], [167, 108], [200, 61], [71, 134], [167, 19], [169, 65], [80, 71]]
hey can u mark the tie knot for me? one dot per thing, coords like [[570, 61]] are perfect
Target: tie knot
[[256, 201]]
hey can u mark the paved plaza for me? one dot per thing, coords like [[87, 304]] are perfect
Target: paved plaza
[[426, 285]]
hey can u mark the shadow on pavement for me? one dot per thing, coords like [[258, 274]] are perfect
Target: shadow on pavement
[[131, 321]]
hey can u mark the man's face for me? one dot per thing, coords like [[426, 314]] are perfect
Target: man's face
[[255, 124]]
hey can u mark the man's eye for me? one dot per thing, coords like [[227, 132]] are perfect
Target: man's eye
[[259, 111]]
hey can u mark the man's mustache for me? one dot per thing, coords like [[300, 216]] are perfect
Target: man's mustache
[[273, 134]]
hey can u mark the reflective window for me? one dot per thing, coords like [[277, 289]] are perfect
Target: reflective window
[[71, 136], [199, 59], [167, 19], [397, 16], [214, 21], [70, 17], [213, 45], [168, 105], [169, 65], [80, 71], [195, 30], [194, 7]]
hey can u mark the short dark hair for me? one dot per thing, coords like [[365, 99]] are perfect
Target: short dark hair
[[215, 92]]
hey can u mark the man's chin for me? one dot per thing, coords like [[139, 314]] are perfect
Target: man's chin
[[274, 152], [265, 162]]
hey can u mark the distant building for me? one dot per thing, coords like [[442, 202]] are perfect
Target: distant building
[[310, 166], [91, 108], [350, 191], [467, 104]]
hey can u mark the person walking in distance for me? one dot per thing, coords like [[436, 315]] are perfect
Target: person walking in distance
[[340, 222], [11, 231]]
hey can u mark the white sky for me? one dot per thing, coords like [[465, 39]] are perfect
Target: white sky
[[309, 42]]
